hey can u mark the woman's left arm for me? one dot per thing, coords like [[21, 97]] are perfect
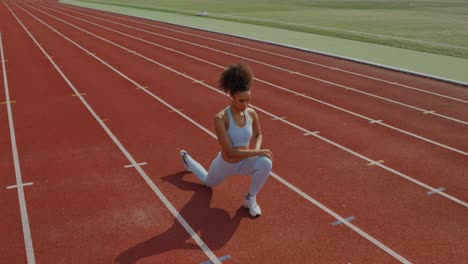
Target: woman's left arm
[[257, 133]]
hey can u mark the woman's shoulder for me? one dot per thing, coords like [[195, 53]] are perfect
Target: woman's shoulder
[[221, 119], [251, 112], [221, 115]]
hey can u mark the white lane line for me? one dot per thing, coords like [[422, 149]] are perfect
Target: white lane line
[[259, 50], [300, 94], [271, 84], [8, 102], [456, 200], [375, 121], [307, 197], [278, 118], [438, 190], [130, 158], [16, 186], [375, 162], [424, 139], [133, 165], [266, 64], [341, 219], [449, 118], [347, 219], [225, 257], [19, 180], [311, 133]]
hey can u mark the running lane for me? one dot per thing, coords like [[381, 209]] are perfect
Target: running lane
[[431, 127], [420, 214], [84, 206], [153, 133], [12, 246], [393, 86], [379, 143]]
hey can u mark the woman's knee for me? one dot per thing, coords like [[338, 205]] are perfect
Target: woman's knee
[[214, 179], [210, 182], [264, 164]]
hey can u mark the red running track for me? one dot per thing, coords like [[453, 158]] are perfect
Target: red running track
[[332, 126], [85, 207]]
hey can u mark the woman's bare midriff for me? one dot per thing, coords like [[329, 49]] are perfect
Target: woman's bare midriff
[[232, 160]]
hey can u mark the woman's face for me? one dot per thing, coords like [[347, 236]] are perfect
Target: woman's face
[[241, 100]]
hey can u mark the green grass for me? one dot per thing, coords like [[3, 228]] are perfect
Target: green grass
[[439, 27]]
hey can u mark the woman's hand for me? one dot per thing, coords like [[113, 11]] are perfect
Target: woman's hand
[[266, 153]]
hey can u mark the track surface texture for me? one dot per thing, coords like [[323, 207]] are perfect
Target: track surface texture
[[95, 107]]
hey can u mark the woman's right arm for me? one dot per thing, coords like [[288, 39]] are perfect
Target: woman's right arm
[[223, 139]]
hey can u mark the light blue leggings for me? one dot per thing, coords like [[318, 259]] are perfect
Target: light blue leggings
[[259, 167]]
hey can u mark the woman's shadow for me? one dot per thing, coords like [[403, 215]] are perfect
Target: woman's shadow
[[214, 225]]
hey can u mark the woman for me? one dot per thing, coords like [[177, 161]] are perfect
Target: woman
[[235, 126]]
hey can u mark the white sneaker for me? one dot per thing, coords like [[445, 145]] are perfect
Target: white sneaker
[[250, 202], [182, 154]]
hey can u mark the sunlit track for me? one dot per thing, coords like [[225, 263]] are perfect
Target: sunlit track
[[425, 111], [29, 247], [262, 51], [312, 133], [130, 158], [371, 120], [315, 202]]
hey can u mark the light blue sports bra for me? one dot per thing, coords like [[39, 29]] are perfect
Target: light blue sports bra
[[239, 136]]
